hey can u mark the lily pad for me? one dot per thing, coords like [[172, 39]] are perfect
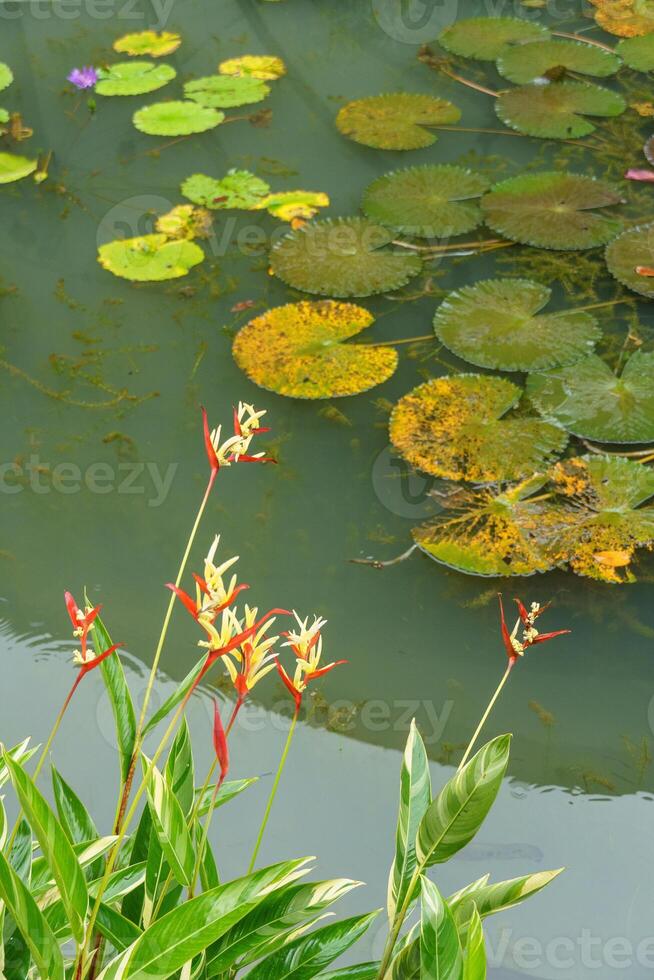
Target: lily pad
[[223, 92], [557, 110], [637, 52], [625, 18], [294, 205], [148, 42], [176, 118], [399, 121], [603, 520], [298, 350], [149, 258], [6, 75], [553, 210], [344, 257], [632, 250], [237, 189], [14, 167], [454, 427], [185, 221], [497, 324], [428, 202], [4, 116], [497, 532], [589, 400], [544, 59], [266, 67], [133, 78], [486, 38]]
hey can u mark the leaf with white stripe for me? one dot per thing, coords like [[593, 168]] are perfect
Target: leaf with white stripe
[[171, 828], [491, 898], [31, 923], [459, 810], [415, 797], [441, 957], [474, 966]]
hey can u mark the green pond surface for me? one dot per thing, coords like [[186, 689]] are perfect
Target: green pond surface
[[419, 639]]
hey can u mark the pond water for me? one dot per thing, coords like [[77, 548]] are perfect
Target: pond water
[[420, 639]]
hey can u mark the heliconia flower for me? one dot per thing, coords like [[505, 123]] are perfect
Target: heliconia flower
[[220, 743], [212, 594], [636, 174], [82, 621], [307, 646], [234, 449], [252, 660], [530, 636], [83, 78]]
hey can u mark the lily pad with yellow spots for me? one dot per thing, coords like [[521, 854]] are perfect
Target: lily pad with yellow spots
[[604, 521], [625, 18], [14, 167], [294, 205], [185, 221], [637, 52], [237, 189], [400, 121], [589, 400], [553, 210], [342, 258], [557, 110], [176, 118], [149, 258], [225, 92], [266, 67], [493, 531], [299, 350], [498, 323], [487, 38], [6, 75], [630, 252], [458, 427], [435, 201], [148, 42], [525, 63], [133, 78]]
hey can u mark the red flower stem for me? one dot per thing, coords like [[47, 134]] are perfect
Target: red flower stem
[[485, 716], [275, 787]]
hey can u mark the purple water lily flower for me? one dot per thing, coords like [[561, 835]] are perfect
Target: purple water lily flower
[[83, 77]]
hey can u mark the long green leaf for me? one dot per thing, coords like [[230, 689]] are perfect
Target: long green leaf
[[55, 846], [74, 817], [115, 928], [30, 921], [406, 963], [132, 907], [20, 855], [362, 971], [171, 827], [227, 792], [498, 897], [157, 871], [474, 967], [180, 770], [415, 797], [122, 706], [181, 935], [461, 807], [441, 957], [175, 698], [305, 957], [277, 915]]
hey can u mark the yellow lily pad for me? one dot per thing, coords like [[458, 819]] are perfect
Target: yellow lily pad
[[149, 258], [266, 67], [185, 221], [625, 18], [148, 42], [294, 205], [400, 121], [298, 350], [14, 167]]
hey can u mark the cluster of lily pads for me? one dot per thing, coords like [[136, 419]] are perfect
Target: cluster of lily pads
[[13, 166]]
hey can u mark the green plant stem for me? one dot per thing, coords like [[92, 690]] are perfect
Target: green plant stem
[[273, 792], [467, 81], [404, 340], [586, 40], [594, 306], [485, 716]]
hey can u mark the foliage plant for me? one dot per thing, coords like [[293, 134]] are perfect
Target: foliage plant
[[141, 897]]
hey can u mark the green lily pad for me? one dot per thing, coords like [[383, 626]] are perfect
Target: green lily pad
[[14, 167], [266, 67], [557, 110], [148, 42], [133, 78], [454, 427], [149, 258], [6, 75], [589, 400], [637, 52], [225, 92], [4, 116], [626, 18], [553, 210], [399, 121], [497, 324], [176, 118], [298, 350], [542, 59], [603, 521], [344, 257], [237, 189], [632, 250], [492, 532], [428, 202], [486, 38]]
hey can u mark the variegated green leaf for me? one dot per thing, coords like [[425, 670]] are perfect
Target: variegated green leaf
[[32, 925], [441, 957], [227, 792], [415, 797], [171, 827], [180, 770], [115, 928], [175, 698], [362, 971], [460, 808], [490, 898], [20, 855], [305, 957], [113, 676], [55, 846], [74, 817], [474, 966], [406, 962], [182, 934]]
